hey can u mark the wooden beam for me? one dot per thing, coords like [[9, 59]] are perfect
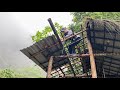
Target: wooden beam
[[77, 76], [92, 60], [73, 35], [87, 55], [50, 67], [90, 50]]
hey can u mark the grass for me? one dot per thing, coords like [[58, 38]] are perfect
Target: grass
[[28, 72]]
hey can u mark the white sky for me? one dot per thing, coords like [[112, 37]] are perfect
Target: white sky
[[16, 29], [38, 20]]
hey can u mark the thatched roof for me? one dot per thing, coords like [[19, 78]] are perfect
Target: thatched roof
[[105, 37]]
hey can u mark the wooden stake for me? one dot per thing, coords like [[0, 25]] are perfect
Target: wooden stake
[[50, 67]]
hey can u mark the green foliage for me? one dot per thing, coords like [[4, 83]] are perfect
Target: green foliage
[[32, 72], [47, 31], [28, 72], [78, 17], [42, 34], [8, 73]]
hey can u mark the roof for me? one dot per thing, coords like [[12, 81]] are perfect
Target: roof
[[105, 37], [41, 51]]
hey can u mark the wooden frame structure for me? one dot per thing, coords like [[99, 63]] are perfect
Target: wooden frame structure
[[91, 55], [103, 52]]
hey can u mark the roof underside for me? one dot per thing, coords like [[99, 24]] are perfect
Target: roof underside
[[41, 51], [105, 37]]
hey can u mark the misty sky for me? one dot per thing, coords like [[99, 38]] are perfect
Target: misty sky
[[16, 29]]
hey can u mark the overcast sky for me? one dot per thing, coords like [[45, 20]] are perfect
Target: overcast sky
[[16, 29]]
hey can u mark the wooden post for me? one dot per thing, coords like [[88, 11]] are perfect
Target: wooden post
[[55, 31], [50, 67], [90, 50], [92, 61]]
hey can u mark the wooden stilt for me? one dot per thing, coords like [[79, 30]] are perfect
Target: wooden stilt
[[50, 67]]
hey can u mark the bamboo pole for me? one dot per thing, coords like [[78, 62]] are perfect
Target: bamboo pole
[[86, 55], [90, 50], [73, 35], [92, 60], [77, 76], [50, 67]]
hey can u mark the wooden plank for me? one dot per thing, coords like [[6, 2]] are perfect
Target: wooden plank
[[55, 40], [25, 52], [28, 55], [30, 51], [40, 57], [49, 42], [42, 46]]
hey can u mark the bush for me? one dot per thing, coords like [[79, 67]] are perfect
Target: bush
[[29, 72], [7, 73]]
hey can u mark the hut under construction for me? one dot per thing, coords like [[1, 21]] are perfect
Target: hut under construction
[[97, 54]]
